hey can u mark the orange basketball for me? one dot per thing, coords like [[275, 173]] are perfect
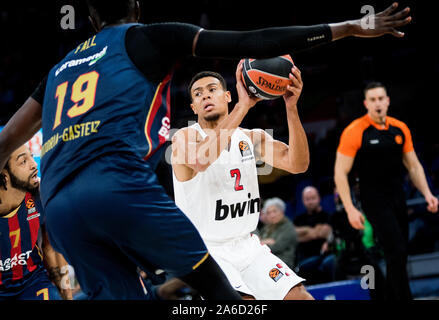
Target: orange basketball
[[267, 78]]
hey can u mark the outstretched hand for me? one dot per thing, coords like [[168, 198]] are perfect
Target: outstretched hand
[[384, 22]]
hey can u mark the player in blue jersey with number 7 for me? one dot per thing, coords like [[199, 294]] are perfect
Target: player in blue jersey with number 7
[[105, 111], [29, 267]]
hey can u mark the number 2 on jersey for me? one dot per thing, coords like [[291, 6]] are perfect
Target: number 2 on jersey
[[86, 95], [237, 173]]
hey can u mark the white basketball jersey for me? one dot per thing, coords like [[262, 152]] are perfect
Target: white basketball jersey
[[223, 201]]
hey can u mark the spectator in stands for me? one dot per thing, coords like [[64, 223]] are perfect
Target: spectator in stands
[[278, 232], [314, 261]]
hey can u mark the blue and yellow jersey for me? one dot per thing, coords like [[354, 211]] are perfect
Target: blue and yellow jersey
[[20, 254], [98, 103]]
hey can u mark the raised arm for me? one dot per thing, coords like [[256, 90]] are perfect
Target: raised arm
[[293, 157], [175, 40], [276, 41]]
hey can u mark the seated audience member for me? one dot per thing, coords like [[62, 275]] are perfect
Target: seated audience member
[[314, 261], [278, 232]]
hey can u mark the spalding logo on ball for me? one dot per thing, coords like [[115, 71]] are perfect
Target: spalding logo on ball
[[267, 78]]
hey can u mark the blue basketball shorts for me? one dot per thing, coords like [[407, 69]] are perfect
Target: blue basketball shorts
[[112, 217]]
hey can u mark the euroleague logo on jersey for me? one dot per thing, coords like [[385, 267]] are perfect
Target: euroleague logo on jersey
[[245, 150], [275, 274], [30, 203]]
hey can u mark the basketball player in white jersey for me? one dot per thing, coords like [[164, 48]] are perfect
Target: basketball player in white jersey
[[216, 184]]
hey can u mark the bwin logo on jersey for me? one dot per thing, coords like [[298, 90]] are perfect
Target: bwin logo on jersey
[[236, 209]]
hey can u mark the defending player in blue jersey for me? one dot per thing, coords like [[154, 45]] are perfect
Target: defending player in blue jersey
[[25, 252], [105, 114]]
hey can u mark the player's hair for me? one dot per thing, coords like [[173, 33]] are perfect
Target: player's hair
[[111, 11], [204, 74], [278, 202], [373, 85]]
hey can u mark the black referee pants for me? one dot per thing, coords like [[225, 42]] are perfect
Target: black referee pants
[[387, 213]]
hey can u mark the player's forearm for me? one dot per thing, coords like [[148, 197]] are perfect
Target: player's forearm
[[298, 150], [57, 269], [343, 29], [56, 266], [51, 264], [64, 284], [262, 43], [270, 42], [217, 139], [19, 129]]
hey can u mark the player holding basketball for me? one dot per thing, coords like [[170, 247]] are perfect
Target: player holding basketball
[[22, 233], [216, 184], [105, 107]]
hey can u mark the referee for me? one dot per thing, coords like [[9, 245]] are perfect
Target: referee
[[381, 146]]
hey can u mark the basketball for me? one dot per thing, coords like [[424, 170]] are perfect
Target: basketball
[[267, 78]]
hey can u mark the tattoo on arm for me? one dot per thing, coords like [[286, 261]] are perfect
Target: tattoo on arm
[[54, 274]]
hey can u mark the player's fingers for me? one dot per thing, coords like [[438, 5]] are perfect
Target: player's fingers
[[293, 90], [398, 23], [240, 89], [239, 67], [389, 10], [296, 69], [294, 82], [297, 73], [296, 79], [399, 15], [238, 73], [395, 32]]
